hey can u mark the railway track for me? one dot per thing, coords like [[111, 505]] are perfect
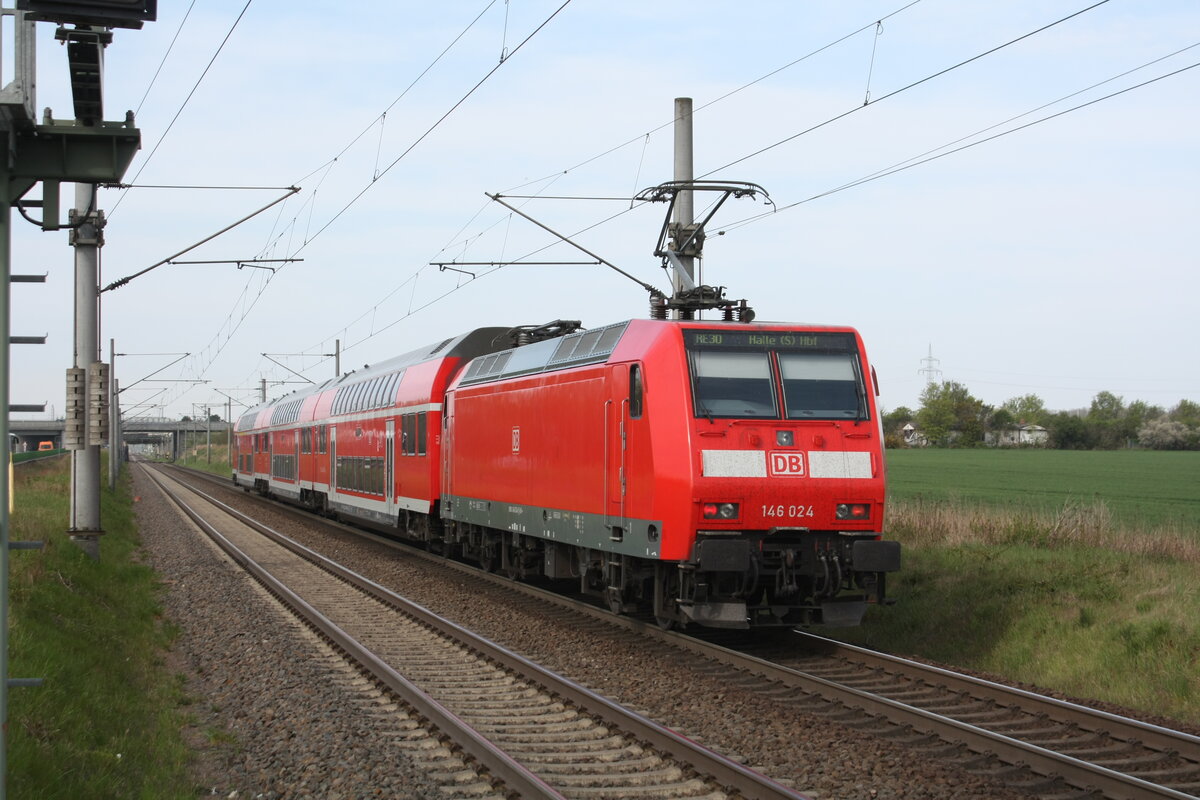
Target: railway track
[[1087, 747], [1044, 746], [537, 733]]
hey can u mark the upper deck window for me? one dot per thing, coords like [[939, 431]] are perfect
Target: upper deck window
[[751, 374]]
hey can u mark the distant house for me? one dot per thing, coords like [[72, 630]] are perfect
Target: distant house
[[1018, 436], [912, 436]]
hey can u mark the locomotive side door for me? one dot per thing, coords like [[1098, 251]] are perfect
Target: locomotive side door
[[616, 467]]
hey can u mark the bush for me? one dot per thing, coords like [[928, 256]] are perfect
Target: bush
[[1162, 434]]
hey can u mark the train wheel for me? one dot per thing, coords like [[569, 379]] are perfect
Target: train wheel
[[512, 570], [487, 559], [615, 603], [666, 589]]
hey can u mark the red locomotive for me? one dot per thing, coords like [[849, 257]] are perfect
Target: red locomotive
[[727, 474], [723, 474]]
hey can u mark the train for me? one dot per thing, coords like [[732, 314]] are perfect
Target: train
[[710, 473]]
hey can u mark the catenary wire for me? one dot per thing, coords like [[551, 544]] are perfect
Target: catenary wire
[[716, 100], [308, 239], [186, 100], [402, 95], [902, 89], [435, 125], [166, 55], [918, 160]]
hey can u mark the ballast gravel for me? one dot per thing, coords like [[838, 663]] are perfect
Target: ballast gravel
[[275, 719], [272, 714]]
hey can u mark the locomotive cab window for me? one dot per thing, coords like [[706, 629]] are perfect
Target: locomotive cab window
[[821, 385], [732, 384], [785, 374]]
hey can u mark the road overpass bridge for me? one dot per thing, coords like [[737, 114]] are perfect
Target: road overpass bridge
[[171, 434]]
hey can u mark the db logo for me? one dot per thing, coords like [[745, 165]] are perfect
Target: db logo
[[788, 464]]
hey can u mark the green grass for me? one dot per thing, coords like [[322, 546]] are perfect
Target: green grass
[[1089, 622], [34, 455], [107, 721], [216, 462], [1141, 489], [1074, 571]]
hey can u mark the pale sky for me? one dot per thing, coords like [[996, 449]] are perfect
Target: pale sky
[[1059, 260]]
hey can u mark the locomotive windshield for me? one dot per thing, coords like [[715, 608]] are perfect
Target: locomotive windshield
[[751, 375]]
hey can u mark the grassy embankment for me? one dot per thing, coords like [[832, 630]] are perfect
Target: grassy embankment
[[215, 461], [1072, 570], [107, 721]]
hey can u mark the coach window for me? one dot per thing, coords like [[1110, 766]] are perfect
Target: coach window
[[408, 432], [421, 423], [305, 441], [635, 391]]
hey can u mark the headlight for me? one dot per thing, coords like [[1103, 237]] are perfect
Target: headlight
[[855, 511], [720, 510]]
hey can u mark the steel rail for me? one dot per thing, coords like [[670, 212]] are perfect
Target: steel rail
[[513, 774], [1079, 773], [1153, 736], [734, 776]]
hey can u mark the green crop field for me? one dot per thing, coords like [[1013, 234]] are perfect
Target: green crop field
[[1141, 489]]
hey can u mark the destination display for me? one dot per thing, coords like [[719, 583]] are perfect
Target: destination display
[[775, 340]]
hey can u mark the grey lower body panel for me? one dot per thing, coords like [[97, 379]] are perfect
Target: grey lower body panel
[[632, 537]]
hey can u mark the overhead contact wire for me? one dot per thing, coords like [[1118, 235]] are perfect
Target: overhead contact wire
[[917, 161], [186, 100], [166, 55], [716, 100], [439, 121], [902, 89]]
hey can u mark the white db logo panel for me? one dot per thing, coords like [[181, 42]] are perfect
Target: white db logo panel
[[786, 464]]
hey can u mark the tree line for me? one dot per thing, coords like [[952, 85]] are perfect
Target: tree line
[[950, 416]]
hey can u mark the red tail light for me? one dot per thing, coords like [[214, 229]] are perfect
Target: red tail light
[[854, 511], [719, 510]]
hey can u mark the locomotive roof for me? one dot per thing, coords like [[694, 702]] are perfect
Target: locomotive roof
[[586, 347]]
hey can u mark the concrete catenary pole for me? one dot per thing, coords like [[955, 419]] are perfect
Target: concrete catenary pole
[[684, 209], [87, 238]]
